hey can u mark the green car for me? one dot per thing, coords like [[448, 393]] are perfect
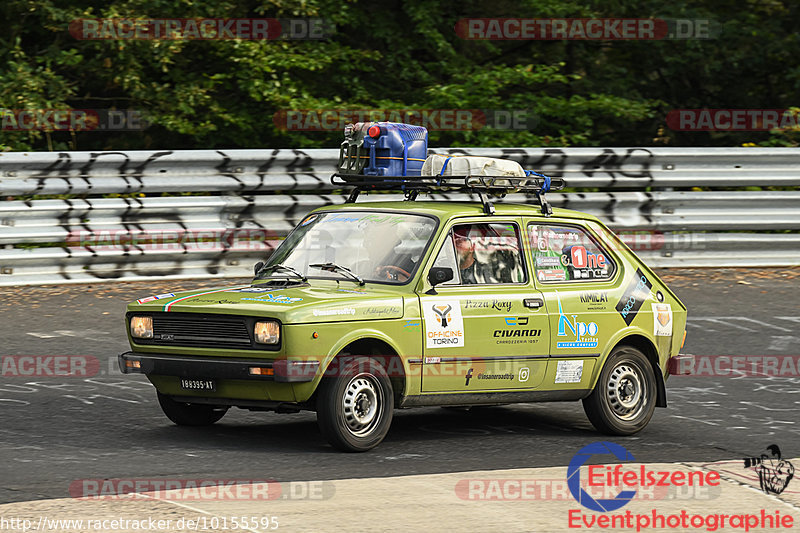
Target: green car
[[368, 307]]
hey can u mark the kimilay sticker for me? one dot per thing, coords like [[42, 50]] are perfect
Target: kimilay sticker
[[662, 320], [444, 325]]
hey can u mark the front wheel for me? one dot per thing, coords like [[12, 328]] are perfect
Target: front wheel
[[623, 401], [190, 414], [354, 408]]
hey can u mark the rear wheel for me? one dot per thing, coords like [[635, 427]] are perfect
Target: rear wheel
[[190, 414], [354, 408], [623, 401]]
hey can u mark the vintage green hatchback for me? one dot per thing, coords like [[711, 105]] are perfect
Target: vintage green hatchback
[[368, 307]]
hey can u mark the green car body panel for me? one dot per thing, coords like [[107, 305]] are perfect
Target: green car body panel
[[542, 337]]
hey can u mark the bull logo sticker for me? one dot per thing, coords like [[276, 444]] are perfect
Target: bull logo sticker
[[444, 313], [662, 320], [444, 325]]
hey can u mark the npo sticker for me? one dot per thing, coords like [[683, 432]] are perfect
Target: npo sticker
[[444, 325]]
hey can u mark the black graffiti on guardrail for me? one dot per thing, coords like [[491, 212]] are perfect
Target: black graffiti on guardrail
[[82, 175]]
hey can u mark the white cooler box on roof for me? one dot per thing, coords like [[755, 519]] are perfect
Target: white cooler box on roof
[[469, 165]]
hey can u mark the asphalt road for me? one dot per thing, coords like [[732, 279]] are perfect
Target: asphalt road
[[54, 431]]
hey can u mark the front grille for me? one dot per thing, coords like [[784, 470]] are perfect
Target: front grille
[[199, 330]]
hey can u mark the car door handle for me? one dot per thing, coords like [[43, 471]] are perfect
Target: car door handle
[[533, 303]]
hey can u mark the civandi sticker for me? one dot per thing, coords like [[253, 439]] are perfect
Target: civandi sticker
[[662, 320], [569, 371], [444, 325]]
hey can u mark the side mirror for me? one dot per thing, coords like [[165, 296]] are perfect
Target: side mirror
[[437, 275], [257, 267]]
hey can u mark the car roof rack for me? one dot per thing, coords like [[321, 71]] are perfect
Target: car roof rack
[[483, 186]]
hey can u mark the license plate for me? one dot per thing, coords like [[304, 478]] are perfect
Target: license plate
[[198, 384]]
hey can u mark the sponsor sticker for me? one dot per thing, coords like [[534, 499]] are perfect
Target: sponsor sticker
[[662, 320], [154, 298], [569, 371], [309, 219], [444, 325], [637, 291], [334, 312], [548, 261], [584, 333], [551, 275]]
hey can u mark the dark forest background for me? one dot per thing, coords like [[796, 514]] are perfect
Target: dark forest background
[[396, 55]]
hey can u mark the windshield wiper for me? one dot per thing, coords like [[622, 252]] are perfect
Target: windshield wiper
[[333, 267], [285, 269]]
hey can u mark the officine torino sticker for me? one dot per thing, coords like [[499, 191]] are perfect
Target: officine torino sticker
[[444, 325]]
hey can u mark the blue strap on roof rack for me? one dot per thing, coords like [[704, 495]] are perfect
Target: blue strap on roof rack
[[547, 180], [444, 166]]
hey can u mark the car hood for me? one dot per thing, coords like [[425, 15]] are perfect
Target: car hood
[[321, 301]]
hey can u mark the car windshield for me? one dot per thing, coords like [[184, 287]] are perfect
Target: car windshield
[[375, 246]]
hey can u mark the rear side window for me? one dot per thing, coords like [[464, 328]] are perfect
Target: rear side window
[[567, 253]]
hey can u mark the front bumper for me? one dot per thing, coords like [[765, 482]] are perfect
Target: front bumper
[[282, 370]]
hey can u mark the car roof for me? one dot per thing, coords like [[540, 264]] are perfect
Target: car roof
[[445, 210]]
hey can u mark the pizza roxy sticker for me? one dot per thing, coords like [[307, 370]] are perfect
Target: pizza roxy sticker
[[444, 325]]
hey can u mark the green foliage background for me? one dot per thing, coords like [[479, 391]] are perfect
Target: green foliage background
[[397, 54]]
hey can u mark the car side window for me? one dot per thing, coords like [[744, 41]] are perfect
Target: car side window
[[489, 253], [567, 253], [447, 258]]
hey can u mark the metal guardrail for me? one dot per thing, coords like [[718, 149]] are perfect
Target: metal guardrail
[[245, 201]]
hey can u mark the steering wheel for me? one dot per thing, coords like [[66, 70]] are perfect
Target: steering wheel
[[388, 269]]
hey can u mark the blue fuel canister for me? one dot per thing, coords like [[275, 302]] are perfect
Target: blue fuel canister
[[383, 149]]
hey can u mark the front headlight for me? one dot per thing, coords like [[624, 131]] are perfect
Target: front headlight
[[142, 327], [267, 332]]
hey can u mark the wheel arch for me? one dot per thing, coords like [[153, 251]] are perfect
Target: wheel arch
[[381, 349], [646, 346]]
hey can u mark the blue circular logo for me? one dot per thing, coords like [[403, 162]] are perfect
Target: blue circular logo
[[574, 477]]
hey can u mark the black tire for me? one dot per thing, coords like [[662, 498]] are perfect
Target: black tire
[[190, 414], [623, 401], [354, 407]]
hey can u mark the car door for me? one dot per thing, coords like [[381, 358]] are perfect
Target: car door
[[580, 279], [487, 329]]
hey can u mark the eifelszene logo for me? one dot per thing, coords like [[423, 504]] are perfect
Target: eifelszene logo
[[574, 477], [635, 477]]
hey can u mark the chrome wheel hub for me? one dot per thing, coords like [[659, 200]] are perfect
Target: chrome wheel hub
[[363, 404], [625, 391]]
